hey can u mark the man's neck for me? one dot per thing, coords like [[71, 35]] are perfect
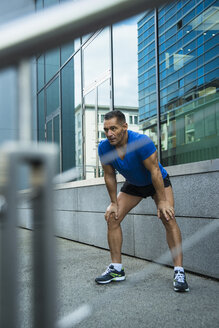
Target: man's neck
[[123, 142]]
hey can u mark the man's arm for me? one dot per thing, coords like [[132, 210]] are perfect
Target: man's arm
[[163, 207], [111, 185]]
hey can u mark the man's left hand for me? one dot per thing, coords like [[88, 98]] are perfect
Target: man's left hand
[[165, 209]]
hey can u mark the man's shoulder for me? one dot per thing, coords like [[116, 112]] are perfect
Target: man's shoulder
[[104, 145], [137, 136]]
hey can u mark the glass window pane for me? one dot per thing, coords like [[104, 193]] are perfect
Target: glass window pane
[[103, 106], [40, 72], [96, 58], [52, 63], [41, 116], [56, 136], [90, 114], [66, 51], [77, 109], [56, 130], [68, 116], [125, 60], [49, 131], [52, 97]]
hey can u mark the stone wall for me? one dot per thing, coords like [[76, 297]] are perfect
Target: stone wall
[[80, 208]]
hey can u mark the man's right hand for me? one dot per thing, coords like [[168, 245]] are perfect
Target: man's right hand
[[112, 210]]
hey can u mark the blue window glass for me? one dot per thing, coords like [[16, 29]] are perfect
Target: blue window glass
[[211, 53], [201, 81], [212, 76], [211, 65], [200, 40], [163, 75], [181, 83], [162, 39], [208, 3], [200, 60], [161, 21], [200, 50], [179, 14], [171, 41], [190, 77], [188, 6], [163, 47], [179, 5], [179, 34], [162, 29], [200, 71], [200, 8], [211, 43], [186, 38], [152, 87]]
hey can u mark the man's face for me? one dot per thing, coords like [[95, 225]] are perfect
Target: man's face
[[115, 132]]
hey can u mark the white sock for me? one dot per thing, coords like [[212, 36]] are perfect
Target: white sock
[[178, 268], [117, 266]]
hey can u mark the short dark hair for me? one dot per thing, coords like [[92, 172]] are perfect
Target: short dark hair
[[115, 113]]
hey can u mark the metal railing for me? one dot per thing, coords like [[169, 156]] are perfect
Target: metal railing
[[19, 40]]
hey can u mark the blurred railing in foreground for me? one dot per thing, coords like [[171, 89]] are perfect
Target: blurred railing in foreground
[[19, 40]]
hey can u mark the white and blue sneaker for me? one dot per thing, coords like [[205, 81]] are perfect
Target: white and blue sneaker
[[111, 274], [179, 282]]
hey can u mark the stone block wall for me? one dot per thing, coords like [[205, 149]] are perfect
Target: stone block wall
[[80, 208]]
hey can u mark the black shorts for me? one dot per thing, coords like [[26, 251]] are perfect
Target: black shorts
[[143, 191]]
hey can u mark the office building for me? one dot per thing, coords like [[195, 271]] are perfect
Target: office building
[[178, 75]]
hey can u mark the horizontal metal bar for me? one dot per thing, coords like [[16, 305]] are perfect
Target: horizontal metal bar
[[62, 23]]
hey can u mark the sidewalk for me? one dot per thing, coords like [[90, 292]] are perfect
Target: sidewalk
[[148, 302]]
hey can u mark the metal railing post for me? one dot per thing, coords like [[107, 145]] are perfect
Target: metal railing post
[[42, 160], [43, 244], [8, 250]]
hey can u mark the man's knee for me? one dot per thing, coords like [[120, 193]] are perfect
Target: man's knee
[[113, 223], [170, 224]]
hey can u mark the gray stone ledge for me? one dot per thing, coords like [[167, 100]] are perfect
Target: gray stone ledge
[[194, 168], [175, 170]]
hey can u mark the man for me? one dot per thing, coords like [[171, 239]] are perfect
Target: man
[[134, 156]]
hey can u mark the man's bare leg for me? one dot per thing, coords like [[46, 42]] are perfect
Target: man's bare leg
[[125, 204], [173, 234]]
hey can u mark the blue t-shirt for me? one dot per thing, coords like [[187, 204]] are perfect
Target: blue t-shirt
[[139, 147]]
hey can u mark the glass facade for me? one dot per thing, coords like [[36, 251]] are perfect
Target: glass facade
[[187, 57], [158, 67]]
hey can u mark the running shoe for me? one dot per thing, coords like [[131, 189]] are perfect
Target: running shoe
[[111, 274], [179, 282]]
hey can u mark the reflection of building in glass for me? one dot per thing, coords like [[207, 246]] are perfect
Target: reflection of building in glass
[[187, 56], [78, 83], [94, 133], [117, 67]]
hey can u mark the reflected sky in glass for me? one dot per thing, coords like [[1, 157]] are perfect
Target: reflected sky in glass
[[125, 61]]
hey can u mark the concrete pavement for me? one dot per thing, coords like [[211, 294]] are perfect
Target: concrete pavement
[[148, 301]]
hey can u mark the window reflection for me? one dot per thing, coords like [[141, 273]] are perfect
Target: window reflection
[[125, 63], [96, 58], [52, 97], [67, 116], [52, 63], [188, 83], [188, 74]]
